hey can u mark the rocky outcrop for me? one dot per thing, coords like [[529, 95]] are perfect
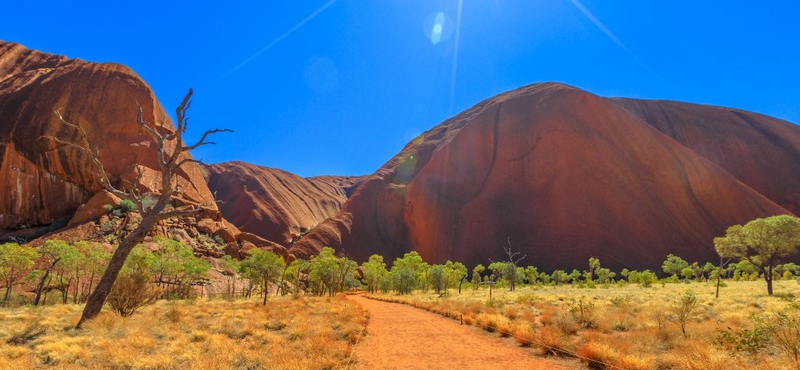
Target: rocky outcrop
[[761, 151], [42, 180], [46, 182], [275, 204], [565, 175]]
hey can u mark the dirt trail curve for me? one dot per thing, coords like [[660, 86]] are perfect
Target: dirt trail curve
[[403, 337]]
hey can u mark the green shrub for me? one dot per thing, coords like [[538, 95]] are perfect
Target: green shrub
[[784, 331], [683, 309], [745, 340], [127, 205]]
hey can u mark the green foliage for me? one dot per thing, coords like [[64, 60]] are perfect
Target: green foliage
[[108, 208], [455, 272], [437, 278], [763, 242], [405, 272], [476, 274], [744, 340], [683, 309], [783, 329], [594, 265], [262, 268], [504, 272], [673, 265], [532, 274], [329, 273], [644, 278], [175, 268], [604, 275], [127, 206], [559, 277], [15, 263], [584, 313], [374, 272]]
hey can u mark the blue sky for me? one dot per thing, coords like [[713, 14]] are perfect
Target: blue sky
[[338, 87]]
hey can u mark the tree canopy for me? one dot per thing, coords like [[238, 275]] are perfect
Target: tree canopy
[[764, 242]]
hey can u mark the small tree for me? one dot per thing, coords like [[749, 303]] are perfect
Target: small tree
[[262, 267], [763, 242], [230, 267], [476, 275], [683, 309], [674, 265], [172, 153], [594, 265], [405, 272], [15, 262], [133, 289], [437, 277], [513, 260], [374, 272], [455, 271]]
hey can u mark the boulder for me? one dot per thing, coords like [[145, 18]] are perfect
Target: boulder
[[94, 208]]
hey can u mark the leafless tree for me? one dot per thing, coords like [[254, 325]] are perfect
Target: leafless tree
[[513, 259], [152, 207]]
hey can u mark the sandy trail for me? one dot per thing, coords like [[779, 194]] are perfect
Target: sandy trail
[[403, 337]]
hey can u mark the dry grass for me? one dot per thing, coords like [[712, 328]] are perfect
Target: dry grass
[[635, 328], [303, 333]]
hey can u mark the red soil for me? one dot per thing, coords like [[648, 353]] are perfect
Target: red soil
[[403, 337]]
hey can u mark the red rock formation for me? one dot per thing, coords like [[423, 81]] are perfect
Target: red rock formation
[[272, 203], [565, 174], [760, 151], [40, 180]]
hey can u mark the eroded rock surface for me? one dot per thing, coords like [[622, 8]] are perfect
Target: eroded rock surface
[[275, 204], [567, 175]]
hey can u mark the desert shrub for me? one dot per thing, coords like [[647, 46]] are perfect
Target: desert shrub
[[127, 206], [683, 309], [745, 340], [130, 292], [554, 342], [524, 334], [108, 208], [565, 323], [29, 333], [583, 312], [784, 331]]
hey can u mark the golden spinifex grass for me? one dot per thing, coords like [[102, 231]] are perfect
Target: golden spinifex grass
[[629, 327], [288, 333]]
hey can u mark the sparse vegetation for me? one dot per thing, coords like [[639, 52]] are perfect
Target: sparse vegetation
[[313, 333], [628, 327]]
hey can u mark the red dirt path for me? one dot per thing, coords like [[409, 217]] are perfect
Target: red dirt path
[[403, 337]]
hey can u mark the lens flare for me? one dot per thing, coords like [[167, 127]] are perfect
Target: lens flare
[[438, 28]]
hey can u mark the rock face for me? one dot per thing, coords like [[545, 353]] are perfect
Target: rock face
[[42, 180], [760, 151], [567, 175], [275, 204]]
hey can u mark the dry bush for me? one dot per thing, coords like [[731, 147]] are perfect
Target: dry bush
[[27, 334], [130, 292], [566, 323], [210, 335], [524, 334], [553, 342]]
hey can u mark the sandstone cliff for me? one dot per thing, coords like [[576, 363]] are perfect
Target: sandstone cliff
[[42, 181], [566, 175], [275, 204]]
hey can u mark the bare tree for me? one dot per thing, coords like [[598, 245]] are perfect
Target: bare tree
[[152, 207], [513, 260]]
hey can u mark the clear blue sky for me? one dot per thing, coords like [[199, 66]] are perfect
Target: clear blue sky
[[338, 87]]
